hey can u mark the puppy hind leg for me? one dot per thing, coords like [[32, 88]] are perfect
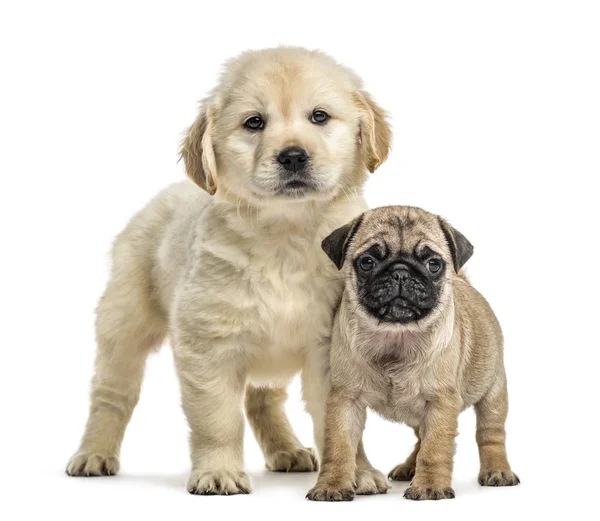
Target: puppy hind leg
[[127, 329], [265, 410], [368, 479], [315, 388], [491, 412], [406, 471]]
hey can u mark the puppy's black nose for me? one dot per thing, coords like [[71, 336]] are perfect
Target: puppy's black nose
[[400, 272], [293, 159]]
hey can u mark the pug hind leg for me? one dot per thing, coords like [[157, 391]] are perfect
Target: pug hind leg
[[368, 479], [406, 471], [491, 412]]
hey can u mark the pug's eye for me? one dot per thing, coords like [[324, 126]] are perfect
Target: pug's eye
[[434, 265], [319, 117], [366, 263], [255, 123]]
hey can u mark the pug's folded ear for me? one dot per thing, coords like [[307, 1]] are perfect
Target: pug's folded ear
[[198, 153], [460, 248], [336, 244]]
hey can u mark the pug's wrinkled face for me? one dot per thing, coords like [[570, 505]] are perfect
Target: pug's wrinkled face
[[286, 124], [400, 262]]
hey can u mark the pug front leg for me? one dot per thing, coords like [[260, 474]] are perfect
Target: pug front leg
[[212, 395], [433, 474], [344, 424]]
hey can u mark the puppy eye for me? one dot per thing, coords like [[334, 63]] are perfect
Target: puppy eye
[[319, 117], [255, 123], [434, 265], [366, 263]]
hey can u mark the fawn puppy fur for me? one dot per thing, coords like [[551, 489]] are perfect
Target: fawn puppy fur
[[413, 340]]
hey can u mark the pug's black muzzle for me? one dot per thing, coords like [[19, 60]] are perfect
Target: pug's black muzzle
[[400, 294]]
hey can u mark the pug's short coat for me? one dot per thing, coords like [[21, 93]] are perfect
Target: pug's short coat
[[413, 340]]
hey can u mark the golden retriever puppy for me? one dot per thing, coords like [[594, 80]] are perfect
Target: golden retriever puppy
[[231, 267]]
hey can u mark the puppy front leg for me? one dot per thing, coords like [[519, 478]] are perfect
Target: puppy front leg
[[344, 424], [212, 395], [433, 474]]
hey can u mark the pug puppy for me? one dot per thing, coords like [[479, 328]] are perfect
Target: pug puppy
[[413, 340]]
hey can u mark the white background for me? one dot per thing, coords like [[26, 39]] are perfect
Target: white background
[[496, 112]]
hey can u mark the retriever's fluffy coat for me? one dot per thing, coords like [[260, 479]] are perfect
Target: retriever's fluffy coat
[[235, 274]]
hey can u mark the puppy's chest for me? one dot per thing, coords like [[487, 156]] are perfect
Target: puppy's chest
[[280, 296], [397, 392], [294, 290]]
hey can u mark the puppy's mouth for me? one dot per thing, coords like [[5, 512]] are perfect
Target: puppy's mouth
[[296, 187], [397, 310]]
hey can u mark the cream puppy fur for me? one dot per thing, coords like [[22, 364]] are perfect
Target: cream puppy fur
[[234, 274]]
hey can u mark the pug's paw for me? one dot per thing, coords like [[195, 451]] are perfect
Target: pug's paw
[[419, 493], [370, 481], [498, 478], [330, 491], [402, 472], [298, 460]]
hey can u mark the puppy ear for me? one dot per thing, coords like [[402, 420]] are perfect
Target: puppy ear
[[375, 131], [198, 153], [335, 245], [460, 248]]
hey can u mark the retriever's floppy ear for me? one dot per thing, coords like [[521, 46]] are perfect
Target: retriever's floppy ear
[[375, 132], [460, 247], [335, 245], [198, 153]]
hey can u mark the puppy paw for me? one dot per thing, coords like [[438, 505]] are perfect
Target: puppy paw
[[92, 464], [419, 493], [298, 460], [218, 482], [331, 492], [370, 481], [498, 478], [402, 473]]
